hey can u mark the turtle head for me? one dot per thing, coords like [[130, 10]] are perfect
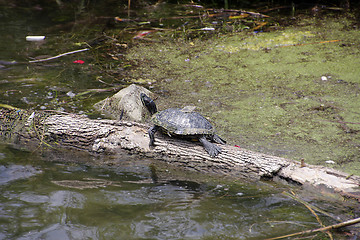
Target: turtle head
[[148, 103]]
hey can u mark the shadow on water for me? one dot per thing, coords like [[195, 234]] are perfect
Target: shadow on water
[[136, 198]]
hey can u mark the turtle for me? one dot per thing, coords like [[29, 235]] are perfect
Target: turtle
[[183, 122]]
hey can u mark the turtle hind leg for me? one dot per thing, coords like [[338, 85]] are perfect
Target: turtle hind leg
[[211, 148], [218, 139], [152, 132]]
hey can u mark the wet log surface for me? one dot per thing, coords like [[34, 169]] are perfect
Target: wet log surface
[[54, 130]]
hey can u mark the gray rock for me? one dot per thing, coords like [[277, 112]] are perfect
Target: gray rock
[[126, 104]]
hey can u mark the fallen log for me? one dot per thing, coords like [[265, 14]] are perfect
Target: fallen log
[[58, 130]]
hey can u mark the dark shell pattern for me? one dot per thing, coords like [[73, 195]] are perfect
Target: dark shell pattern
[[177, 121]]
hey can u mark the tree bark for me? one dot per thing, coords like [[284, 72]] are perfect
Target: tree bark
[[54, 130]]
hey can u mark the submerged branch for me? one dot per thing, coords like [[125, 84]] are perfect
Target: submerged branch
[[98, 90], [58, 56], [335, 226], [308, 205], [311, 209]]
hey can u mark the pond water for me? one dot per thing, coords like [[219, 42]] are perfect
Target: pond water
[[44, 198], [50, 84], [51, 200]]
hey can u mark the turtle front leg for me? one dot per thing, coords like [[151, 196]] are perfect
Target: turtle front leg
[[211, 148], [152, 132]]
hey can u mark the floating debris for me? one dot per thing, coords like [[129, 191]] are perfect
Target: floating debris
[[142, 34], [35, 38], [207, 29], [330, 162], [86, 183], [79, 61], [71, 94]]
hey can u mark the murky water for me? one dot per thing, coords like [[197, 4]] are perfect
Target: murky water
[[42, 198], [50, 84], [49, 200]]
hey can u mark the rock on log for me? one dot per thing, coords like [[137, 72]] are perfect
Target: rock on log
[[110, 136]]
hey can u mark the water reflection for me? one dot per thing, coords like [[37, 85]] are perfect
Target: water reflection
[[62, 231], [126, 204], [14, 172], [163, 212], [130, 206]]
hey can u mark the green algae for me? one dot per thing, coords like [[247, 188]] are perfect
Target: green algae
[[270, 40], [293, 92]]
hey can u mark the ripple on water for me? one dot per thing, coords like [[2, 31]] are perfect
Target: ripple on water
[[14, 172]]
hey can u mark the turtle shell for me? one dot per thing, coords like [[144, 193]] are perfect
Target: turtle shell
[[181, 122]]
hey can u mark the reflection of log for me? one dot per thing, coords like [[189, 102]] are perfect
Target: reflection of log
[[51, 129]]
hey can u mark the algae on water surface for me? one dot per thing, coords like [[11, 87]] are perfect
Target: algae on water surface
[[293, 92]]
